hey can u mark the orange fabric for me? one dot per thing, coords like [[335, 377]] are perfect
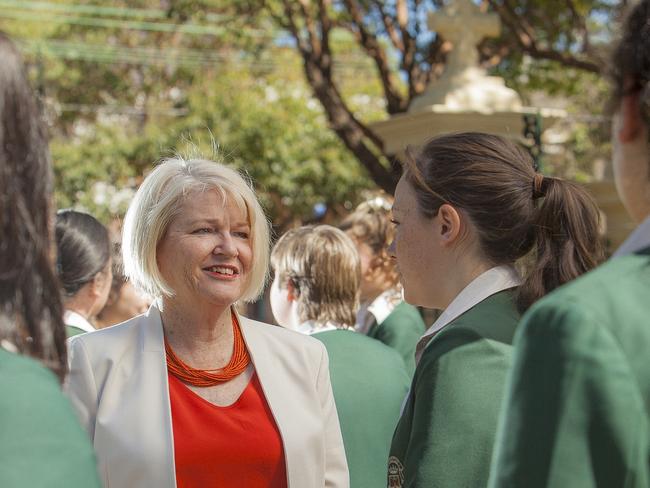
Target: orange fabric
[[236, 446]]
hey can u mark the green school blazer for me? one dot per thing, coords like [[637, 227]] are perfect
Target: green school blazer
[[369, 383], [42, 444], [577, 408], [445, 436], [401, 330]]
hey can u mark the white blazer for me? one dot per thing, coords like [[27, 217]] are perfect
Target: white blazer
[[118, 386]]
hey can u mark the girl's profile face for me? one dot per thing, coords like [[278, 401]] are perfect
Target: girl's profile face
[[417, 248]]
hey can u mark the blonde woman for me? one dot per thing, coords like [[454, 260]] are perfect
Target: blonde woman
[[191, 393]]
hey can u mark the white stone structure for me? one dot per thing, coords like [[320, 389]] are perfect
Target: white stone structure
[[464, 97], [465, 85]]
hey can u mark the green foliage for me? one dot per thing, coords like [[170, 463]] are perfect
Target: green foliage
[[116, 110], [121, 97]]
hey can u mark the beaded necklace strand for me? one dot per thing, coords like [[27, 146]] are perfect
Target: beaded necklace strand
[[239, 361]]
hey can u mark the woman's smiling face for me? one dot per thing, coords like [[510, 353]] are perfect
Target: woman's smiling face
[[206, 252]]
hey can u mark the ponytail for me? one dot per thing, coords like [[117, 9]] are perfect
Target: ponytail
[[518, 214], [565, 238]]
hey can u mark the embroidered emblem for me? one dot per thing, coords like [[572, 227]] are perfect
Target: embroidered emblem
[[395, 473]]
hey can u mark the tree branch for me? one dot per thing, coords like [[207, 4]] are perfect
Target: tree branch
[[356, 136], [395, 103], [314, 40], [523, 36], [325, 27], [389, 25]]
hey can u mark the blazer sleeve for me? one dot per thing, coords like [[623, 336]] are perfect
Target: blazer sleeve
[[41, 442], [573, 415], [336, 466], [402, 331], [80, 386], [453, 414]]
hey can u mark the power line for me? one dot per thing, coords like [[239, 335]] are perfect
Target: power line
[[69, 8], [186, 57], [128, 55], [192, 29]]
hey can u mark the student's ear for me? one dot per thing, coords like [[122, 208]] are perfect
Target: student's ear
[[631, 122], [449, 223], [96, 284]]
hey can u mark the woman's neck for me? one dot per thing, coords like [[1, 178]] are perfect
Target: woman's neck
[[465, 271], [201, 337]]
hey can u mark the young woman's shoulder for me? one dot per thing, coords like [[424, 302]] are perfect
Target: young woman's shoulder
[[490, 323], [49, 446]]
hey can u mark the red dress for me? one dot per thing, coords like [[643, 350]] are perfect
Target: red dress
[[235, 446]]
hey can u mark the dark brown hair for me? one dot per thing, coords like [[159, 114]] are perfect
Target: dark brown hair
[[516, 211], [83, 249], [630, 67], [31, 315]]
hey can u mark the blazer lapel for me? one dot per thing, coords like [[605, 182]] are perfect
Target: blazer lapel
[[156, 408], [278, 394]]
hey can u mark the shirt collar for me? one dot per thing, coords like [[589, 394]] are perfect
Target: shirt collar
[[384, 304], [638, 239], [76, 320], [483, 286], [311, 327], [379, 309]]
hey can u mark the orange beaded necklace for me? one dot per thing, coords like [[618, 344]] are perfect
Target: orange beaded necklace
[[210, 377]]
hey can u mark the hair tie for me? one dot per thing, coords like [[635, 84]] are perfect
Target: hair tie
[[538, 186]]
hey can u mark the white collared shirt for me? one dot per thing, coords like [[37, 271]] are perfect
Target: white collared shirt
[[379, 309], [639, 239], [311, 327], [483, 286], [76, 320]]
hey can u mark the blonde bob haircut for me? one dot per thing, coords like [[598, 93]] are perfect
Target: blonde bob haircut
[[158, 201], [324, 268]]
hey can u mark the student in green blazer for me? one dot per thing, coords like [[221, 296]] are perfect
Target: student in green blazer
[[41, 442], [315, 292], [84, 268], [577, 410], [467, 207], [383, 314]]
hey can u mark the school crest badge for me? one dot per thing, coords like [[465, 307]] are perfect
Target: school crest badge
[[395, 473]]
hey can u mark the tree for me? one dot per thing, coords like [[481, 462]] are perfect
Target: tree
[[562, 34], [122, 91]]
